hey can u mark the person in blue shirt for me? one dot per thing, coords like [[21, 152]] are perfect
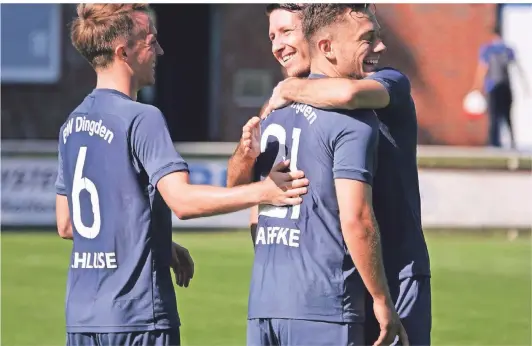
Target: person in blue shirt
[[396, 198], [493, 77], [119, 177]]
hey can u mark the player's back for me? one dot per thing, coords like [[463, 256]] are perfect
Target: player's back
[[119, 276], [302, 269]]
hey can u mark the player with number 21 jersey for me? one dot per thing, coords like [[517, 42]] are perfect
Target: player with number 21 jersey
[[302, 268]]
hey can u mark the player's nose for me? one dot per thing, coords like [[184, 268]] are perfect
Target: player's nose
[[159, 49], [277, 47], [379, 47]]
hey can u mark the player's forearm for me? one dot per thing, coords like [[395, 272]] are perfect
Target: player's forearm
[[239, 169], [202, 200], [363, 242], [326, 93]]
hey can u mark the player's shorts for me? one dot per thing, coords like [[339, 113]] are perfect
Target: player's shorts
[[167, 337], [412, 299], [287, 332]]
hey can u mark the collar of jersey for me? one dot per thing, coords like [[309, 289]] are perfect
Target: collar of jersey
[[316, 76], [110, 92]]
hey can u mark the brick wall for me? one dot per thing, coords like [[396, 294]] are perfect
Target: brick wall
[[435, 45]]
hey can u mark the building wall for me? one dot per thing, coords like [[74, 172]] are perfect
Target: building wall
[[435, 45]]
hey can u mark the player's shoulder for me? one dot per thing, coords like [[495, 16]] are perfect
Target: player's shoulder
[[146, 110], [390, 73], [333, 122]]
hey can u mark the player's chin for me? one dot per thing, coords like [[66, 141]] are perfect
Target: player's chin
[[297, 71]]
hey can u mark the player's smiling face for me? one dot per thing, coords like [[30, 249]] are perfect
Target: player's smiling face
[[366, 46], [144, 51], [289, 46]]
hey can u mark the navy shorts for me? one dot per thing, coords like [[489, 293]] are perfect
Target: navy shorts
[[167, 337], [412, 299], [287, 332]]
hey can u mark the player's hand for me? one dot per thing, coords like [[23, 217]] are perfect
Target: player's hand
[[390, 324], [277, 100], [284, 188], [182, 265], [250, 141]]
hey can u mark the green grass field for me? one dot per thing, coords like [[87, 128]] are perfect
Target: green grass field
[[481, 289]]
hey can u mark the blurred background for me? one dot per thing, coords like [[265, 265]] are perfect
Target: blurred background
[[216, 73]]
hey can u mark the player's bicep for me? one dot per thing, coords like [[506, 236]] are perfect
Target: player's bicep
[[154, 148], [173, 189], [369, 94], [354, 201], [62, 215]]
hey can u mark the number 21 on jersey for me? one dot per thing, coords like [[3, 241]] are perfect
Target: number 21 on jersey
[[279, 132]]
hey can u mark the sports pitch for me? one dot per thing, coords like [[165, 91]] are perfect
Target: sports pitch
[[481, 289]]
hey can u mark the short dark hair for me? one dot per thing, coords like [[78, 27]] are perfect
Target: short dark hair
[[287, 7], [317, 16]]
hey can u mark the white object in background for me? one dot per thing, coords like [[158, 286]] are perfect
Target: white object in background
[[516, 29], [475, 103]]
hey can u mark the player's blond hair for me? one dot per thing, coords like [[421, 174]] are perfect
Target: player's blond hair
[[99, 27]]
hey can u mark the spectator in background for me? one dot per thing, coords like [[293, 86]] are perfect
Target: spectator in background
[[492, 76]]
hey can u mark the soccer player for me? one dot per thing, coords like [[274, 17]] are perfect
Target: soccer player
[[312, 261], [118, 174], [396, 199]]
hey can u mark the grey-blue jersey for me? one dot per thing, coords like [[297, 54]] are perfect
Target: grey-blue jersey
[[396, 199], [302, 269], [112, 153]]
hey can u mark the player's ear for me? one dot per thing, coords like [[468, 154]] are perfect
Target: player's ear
[[120, 52], [325, 48]]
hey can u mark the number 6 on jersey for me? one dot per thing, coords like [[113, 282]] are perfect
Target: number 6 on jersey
[[81, 183]]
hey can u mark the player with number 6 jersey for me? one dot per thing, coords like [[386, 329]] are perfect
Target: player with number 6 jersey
[[119, 178]]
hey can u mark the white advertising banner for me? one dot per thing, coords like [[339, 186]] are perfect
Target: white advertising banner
[[450, 198]]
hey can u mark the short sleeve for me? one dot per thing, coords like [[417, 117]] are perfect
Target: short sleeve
[[153, 146], [396, 83], [59, 182], [484, 54], [354, 149]]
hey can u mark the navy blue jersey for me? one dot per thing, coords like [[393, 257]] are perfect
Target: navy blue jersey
[[396, 199], [112, 153], [302, 268]]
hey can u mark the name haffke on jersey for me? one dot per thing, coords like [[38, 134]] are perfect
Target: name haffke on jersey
[[278, 235]]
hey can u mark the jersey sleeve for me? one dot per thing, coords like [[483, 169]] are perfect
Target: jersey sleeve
[[396, 83], [153, 146], [354, 149], [60, 188], [484, 53]]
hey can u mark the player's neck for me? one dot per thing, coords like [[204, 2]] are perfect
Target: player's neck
[[323, 68], [122, 83]]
